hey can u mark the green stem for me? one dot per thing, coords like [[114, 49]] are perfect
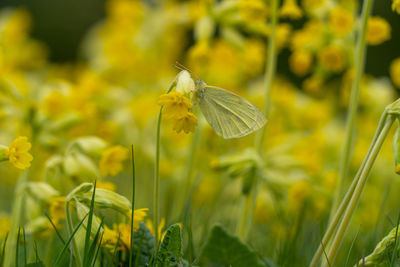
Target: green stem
[[156, 196], [359, 62], [77, 255], [370, 160], [16, 218], [339, 213], [248, 207]]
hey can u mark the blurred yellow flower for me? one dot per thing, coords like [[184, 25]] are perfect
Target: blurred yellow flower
[[253, 10], [341, 21], [18, 153], [396, 6], [312, 4], [161, 226], [112, 159], [332, 58], [54, 104], [186, 123], [314, 85], [297, 194], [291, 10], [175, 105], [395, 72], [283, 32], [57, 210], [300, 62], [378, 31]]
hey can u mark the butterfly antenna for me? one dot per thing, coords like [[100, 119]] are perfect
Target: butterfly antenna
[[180, 66]]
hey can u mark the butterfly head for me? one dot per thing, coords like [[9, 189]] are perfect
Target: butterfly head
[[199, 90]]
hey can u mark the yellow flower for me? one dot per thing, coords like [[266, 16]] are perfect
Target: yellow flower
[[18, 153], [111, 160], [300, 62], [138, 217], [110, 237], [291, 10], [252, 10], [161, 225], [378, 31], [332, 58], [283, 32], [341, 21], [297, 194], [186, 123], [395, 72], [175, 105], [57, 210], [313, 85], [54, 104], [312, 4], [396, 6]]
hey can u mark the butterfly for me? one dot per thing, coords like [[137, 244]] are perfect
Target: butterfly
[[230, 115]]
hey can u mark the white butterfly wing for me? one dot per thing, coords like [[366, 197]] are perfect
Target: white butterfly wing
[[230, 115]]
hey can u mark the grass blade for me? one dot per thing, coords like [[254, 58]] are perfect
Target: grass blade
[[3, 251], [97, 250], [93, 246], [133, 208], [69, 241], [351, 247], [55, 228], [89, 228], [25, 258], [17, 247], [396, 239]]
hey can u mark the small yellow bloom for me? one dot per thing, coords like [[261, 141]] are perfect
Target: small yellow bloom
[[253, 10], [313, 85], [291, 10], [283, 32], [54, 104], [395, 72], [161, 226], [300, 62], [332, 58], [112, 159], [378, 31], [110, 237], [396, 6], [57, 210], [175, 105], [341, 21], [18, 153], [312, 4], [186, 123]]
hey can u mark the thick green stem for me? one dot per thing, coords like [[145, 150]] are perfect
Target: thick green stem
[[370, 160], [77, 255], [359, 62], [248, 207], [156, 194], [339, 213]]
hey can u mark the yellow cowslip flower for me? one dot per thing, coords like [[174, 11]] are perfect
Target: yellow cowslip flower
[[341, 21], [313, 85], [395, 72], [186, 123], [332, 58], [396, 6], [283, 32], [111, 160], [139, 216], [378, 31], [297, 193], [175, 105], [110, 237], [54, 104], [253, 10], [57, 210], [5, 224], [18, 153], [291, 10], [106, 185], [300, 62]]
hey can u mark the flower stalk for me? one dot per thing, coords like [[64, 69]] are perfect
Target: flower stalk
[[156, 192], [359, 63], [248, 207]]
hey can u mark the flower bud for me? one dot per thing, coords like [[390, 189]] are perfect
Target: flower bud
[[185, 84], [82, 210], [41, 191], [91, 145], [80, 166], [80, 190]]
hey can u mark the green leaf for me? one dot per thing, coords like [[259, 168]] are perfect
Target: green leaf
[[225, 249], [35, 264], [144, 245], [170, 253]]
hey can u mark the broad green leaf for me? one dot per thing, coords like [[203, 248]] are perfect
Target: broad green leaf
[[225, 249], [170, 253], [35, 264], [143, 241]]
